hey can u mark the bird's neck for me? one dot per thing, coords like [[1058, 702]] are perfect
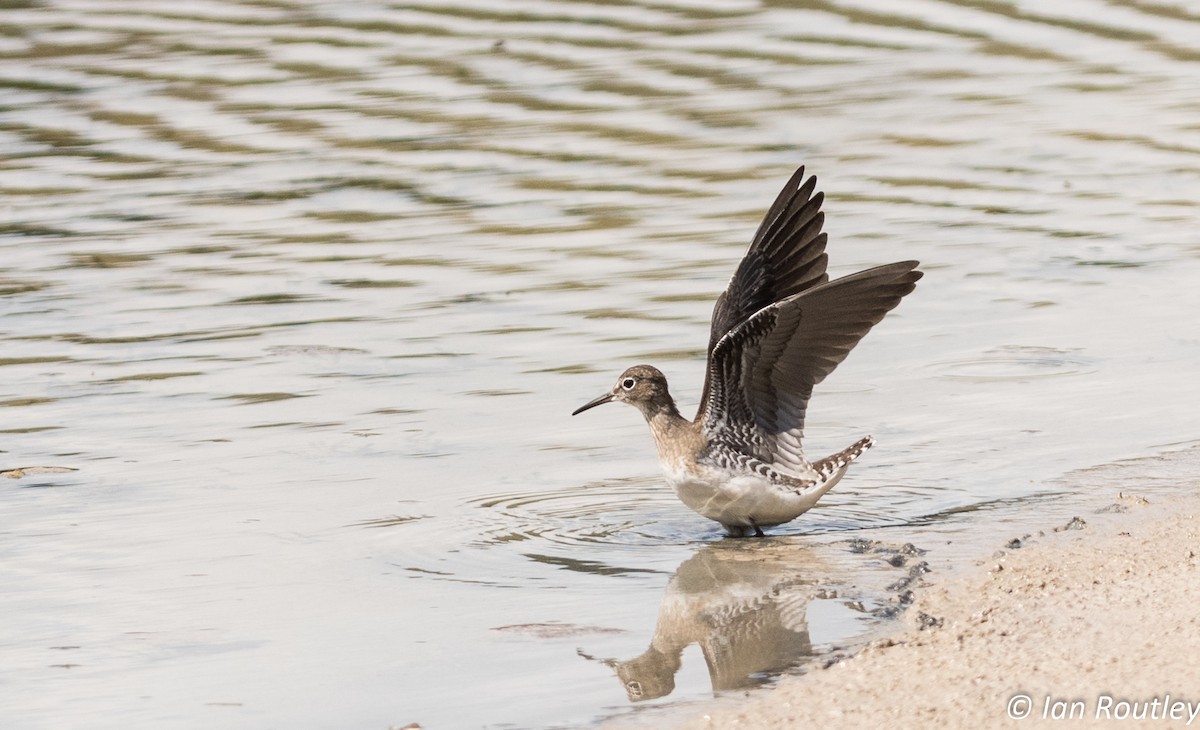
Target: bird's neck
[[678, 440]]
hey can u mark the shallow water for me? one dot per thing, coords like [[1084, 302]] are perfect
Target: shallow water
[[307, 291]]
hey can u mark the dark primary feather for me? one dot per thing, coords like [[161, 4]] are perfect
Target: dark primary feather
[[761, 374], [786, 256]]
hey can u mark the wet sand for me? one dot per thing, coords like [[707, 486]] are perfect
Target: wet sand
[[1101, 622]]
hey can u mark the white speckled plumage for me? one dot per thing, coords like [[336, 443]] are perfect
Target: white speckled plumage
[[780, 327]]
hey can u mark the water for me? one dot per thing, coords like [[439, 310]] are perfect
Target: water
[[306, 292]]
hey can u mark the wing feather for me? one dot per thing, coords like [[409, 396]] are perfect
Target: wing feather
[[786, 256], [762, 372]]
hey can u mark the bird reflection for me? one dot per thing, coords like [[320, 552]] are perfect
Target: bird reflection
[[746, 606]]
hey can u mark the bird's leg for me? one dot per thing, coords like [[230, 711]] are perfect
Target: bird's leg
[[757, 530]]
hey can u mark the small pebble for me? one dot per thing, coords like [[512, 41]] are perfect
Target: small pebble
[[1074, 524]]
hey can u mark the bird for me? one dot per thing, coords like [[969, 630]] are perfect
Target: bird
[[779, 328]]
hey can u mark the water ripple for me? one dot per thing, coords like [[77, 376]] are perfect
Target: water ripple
[[1015, 363], [628, 512]]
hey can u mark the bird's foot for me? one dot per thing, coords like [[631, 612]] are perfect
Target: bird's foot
[[744, 530]]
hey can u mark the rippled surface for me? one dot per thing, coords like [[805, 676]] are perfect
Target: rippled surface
[[306, 292]]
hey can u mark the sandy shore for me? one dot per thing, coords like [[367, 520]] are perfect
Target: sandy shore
[[1085, 622]]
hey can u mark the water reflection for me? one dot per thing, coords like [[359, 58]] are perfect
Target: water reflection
[[745, 605]]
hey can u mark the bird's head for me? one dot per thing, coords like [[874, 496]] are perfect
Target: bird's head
[[642, 386]]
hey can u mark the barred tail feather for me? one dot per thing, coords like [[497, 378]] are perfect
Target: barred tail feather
[[831, 465]]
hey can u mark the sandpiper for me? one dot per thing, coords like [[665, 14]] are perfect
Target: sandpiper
[[778, 329]]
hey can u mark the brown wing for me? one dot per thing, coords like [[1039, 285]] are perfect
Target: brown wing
[[761, 374], [786, 256]]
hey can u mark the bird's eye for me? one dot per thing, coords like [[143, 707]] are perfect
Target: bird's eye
[[628, 383]]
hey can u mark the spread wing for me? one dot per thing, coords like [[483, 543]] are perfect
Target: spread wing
[[762, 372], [786, 257]]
